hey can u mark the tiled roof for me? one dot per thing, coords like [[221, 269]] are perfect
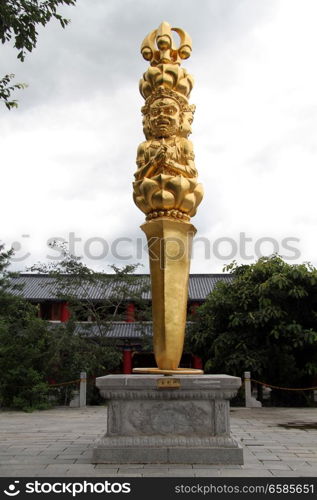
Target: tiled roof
[[41, 287], [118, 330], [115, 330], [200, 285]]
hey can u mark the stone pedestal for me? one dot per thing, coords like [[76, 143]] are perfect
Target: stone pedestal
[[157, 419]]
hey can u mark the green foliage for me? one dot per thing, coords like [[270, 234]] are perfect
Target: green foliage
[[19, 20], [264, 321], [69, 352], [73, 282], [35, 353], [6, 89], [23, 343], [83, 343]]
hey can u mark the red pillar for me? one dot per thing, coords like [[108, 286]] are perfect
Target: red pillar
[[127, 360], [193, 307], [65, 312], [130, 313], [197, 362]]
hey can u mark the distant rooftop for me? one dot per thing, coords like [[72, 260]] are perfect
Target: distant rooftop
[[117, 330], [42, 287]]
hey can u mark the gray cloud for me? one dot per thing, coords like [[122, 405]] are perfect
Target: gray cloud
[[98, 51]]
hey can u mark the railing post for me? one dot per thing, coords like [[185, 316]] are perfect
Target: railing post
[[82, 389], [250, 401]]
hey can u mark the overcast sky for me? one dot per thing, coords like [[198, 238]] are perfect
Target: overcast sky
[[68, 152]]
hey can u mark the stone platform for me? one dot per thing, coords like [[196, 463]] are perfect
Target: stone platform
[[157, 419]]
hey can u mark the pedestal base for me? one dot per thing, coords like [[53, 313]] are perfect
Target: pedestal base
[[150, 422], [178, 371]]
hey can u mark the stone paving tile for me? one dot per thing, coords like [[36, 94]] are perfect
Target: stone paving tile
[[23, 473], [179, 470], [129, 474], [296, 460], [180, 473], [244, 473], [250, 457], [165, 474], [306, 454], [206, 473], [164, 466], [45, 453], [302, 466], [4, 454], [162, 469], [87, 453], [109, 466], [177, 466], [126, 470], [251, 460], [19, 467], [92, 474], [296, 450], [26, 461], [284, 473], [265, 455], [58, 468], [132, 472], [286, 455], [83, 460], [254, 448], [248, 466], [63, 461], [249, 442], [275, 465], [83, 468], [209, 466]]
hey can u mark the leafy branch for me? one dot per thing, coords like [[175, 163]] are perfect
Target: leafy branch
[[18, 21], [6, 90]]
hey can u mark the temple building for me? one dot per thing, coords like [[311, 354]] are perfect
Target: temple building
[[129, 332]]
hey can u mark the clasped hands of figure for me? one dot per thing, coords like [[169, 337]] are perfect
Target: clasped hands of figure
[[160, 163], [164, 162]]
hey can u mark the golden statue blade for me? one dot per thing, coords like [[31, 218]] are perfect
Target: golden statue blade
[[166, 189]]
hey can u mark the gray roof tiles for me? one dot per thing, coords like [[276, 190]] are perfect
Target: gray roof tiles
[[200, 285], [115, 330], [118, 330], [41, 287]]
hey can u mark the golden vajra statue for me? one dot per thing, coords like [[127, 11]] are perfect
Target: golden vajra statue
[[166, 187]]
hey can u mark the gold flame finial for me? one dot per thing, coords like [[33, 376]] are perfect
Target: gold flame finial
[[158, 46]]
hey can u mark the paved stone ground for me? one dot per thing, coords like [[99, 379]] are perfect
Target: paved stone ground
[[58, 443]]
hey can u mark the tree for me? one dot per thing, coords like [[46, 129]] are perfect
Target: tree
[[19, 20], [23, 343], [73, 282], [6, 89], [35, 353], [96, 300], [70, 352], [264, 321]]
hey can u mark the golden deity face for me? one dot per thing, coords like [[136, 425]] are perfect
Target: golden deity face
[[187, 121], [164, 117]]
